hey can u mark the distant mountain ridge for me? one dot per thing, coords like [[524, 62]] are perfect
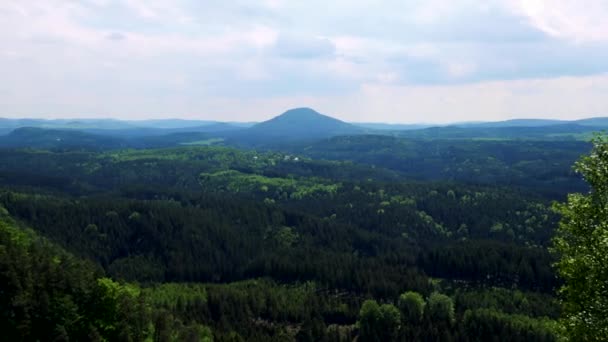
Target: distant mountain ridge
[[291, 127], [70, 139], [390, 126], [597, 121], [45, 138], [122, 127], [297, 120], [512, 123]]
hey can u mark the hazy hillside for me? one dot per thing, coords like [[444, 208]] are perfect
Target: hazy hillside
[[41, 138], [390, 127], [119, 128], [307, 124], [564, 131], [512, 123], [34, 137], [597, 122]]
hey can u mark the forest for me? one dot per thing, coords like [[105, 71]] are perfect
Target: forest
[[363, 237]]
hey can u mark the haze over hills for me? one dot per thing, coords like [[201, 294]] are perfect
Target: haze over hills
[[66, 139], [294, 125], [122, 127], [598, 121], [391, 126], [295, 121], [512, 123], [46, 138]]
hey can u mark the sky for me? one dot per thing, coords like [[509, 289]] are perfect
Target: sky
[[400, 61]]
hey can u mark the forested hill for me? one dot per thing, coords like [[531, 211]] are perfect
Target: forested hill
[[244, 245], [99, 139], [52, 138], [366, 237], [556, 132], [545, 166]]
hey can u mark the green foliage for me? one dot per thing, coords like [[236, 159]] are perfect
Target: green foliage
[[121, 311], [492, 325], [48, 294], [241, 245], [12, 234], [440, 308], [581, 242], [390, 322], [378, 322], [533, 304], [541, 165], [369, 318], [278, 188], [205, 142], [412, 306], [498, 264], [168, 295], [136, 268], [286, 237]]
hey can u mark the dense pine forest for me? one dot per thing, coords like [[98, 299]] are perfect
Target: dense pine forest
[[362, 237]]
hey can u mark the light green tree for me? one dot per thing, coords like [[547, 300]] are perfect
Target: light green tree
[[378, 322], [581, 244], [369, 315], [412, 305], [390, 322], [440, 308]]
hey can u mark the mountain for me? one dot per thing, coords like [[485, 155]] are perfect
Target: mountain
[[296, 125]]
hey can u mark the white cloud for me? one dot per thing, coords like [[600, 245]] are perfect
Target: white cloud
[[561, 98], [361, 59], [577, 20], [158, 10], [564, 97], [302, 46], [460, 69]]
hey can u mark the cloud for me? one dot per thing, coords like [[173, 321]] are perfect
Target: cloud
[[116, 36], [568, 19], [557, 98], [300, 46], [158, 10], [186, 56]]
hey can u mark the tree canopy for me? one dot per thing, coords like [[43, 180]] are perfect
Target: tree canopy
[[581, 243]]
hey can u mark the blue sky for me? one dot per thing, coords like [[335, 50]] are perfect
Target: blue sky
[[392, 61]]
